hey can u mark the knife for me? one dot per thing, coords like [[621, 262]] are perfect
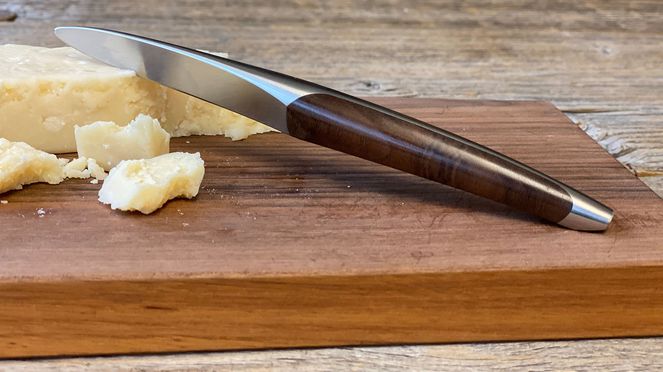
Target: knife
[[333, 119]]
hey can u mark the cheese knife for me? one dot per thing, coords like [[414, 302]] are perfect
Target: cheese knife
[[333, 119]]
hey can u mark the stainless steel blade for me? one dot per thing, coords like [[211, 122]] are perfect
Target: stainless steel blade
[[259, 94]]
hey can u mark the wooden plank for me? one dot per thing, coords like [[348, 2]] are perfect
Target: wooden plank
[[642, 354], [290, 244]]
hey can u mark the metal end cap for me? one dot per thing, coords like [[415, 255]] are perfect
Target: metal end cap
[[586, 213]]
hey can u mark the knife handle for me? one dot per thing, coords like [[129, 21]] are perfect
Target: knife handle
[[374, 133]]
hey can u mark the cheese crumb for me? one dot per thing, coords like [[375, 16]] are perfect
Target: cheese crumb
[[145, 185], [4, 201], [76, 168], [84, 168], [96, 171], [21, 164], [109, 143]]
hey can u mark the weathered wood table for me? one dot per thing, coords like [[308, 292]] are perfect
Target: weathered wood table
[[598, 62]]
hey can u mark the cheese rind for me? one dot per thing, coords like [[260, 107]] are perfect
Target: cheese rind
[[108, 143], [44, 92], [21, 164], [145, 185]]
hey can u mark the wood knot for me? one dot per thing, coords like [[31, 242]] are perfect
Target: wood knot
[[377, 88], [7, 16], [368, 86]]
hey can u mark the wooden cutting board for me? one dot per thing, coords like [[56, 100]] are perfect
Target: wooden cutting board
[[293, 245]]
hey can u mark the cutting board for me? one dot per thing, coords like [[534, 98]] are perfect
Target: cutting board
[[293, 245]]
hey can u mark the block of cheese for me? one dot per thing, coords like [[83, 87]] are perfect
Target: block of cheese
[[21, 164], [108, 143], [190, 116], [146, 185], [44, 92]]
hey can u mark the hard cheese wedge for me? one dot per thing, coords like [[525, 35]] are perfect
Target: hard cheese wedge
[[108, 143], [45, 92], [21, 164], [147, 184], [189, 116]]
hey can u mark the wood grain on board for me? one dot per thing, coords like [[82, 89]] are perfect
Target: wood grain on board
[[290, 244]]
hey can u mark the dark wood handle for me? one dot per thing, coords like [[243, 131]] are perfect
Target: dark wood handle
[[386, 137]]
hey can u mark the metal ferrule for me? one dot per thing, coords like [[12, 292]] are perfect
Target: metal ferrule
[[586, 213]]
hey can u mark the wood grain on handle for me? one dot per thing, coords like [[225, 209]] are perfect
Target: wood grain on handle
[[423, 150]]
